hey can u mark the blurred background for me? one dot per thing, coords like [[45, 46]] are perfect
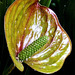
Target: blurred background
[[65, 10]]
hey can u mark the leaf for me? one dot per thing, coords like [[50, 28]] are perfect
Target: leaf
[[0, 2], [26, 21], [45, 2], [0, 15]]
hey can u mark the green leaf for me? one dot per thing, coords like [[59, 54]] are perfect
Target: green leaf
[[0, 2], [0, 10], [45, 2], [9, 2]]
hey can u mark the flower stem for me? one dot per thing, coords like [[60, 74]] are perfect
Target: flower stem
[[9, 70]]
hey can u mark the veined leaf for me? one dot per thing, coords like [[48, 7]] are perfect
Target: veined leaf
[[26, 21]]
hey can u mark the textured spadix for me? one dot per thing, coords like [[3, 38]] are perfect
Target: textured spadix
[[32, 48], [26, 21]]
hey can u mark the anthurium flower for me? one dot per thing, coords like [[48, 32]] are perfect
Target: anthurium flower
[[25, 22]]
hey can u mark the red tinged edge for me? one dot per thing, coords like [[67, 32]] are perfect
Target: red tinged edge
[[31, 8]]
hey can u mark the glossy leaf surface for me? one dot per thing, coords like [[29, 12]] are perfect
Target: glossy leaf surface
[[26, 21]]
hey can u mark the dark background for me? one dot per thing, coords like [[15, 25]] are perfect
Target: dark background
[[65, 10]]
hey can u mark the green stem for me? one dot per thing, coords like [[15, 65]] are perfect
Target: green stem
[[27, 72], [9, 70], [45, 2]]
